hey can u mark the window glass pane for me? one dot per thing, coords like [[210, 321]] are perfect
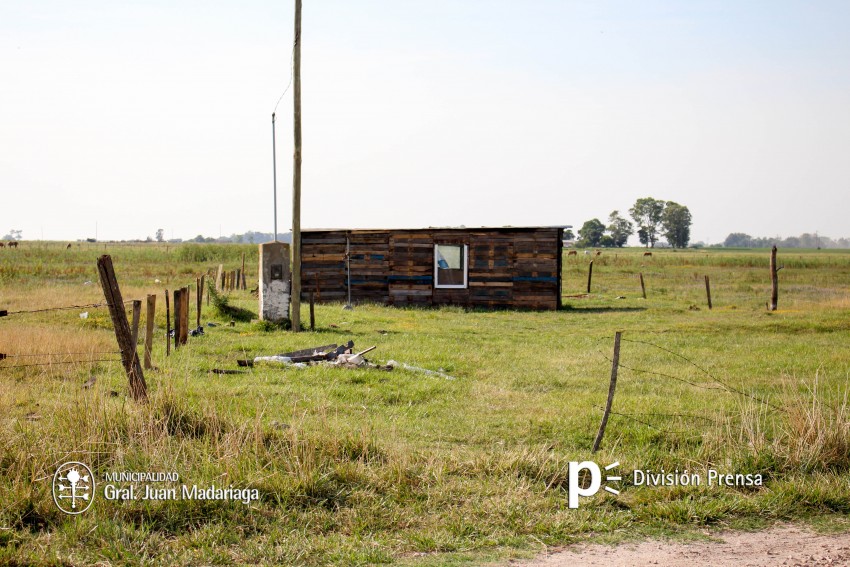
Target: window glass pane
[[450, 265], [449, 257]]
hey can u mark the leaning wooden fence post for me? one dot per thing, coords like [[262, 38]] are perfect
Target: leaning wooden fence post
[[589, 275], [642, 286], [615, 364], [167, 325], [149, 330], [312, 313], [774, 281], [134, 326], [708, 291], [129, 358]]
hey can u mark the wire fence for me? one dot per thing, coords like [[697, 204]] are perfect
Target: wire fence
[[5, 313], [646, 418], [5, 358]]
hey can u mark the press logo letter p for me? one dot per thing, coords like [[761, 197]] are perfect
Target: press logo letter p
[[575, 489]]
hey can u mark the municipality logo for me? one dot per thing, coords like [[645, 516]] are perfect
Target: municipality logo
[[73, 488], [579, 472]]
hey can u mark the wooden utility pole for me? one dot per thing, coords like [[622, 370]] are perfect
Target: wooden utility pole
[[296, 174], [774, 281], [129, 357]]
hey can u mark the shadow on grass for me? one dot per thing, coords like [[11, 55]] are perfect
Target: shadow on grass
[[582, 310]]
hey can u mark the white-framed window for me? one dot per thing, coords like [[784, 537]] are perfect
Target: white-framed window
[[451, 262]]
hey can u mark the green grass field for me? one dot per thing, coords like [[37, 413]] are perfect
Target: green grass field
[[368, 466]]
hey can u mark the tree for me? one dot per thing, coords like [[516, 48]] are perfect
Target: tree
[[676, 221], [568, 234], [13, 234], [647, 213], [620, 229], [738, 240], [590, 234], [160, 235]]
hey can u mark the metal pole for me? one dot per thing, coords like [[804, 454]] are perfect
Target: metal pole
[[274, 178]]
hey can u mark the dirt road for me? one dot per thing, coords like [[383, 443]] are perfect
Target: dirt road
[[779, 546]]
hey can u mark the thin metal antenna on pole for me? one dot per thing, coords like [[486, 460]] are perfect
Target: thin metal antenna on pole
[[274, 177]]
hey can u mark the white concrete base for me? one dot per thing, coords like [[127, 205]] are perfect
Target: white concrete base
[[275, 281]]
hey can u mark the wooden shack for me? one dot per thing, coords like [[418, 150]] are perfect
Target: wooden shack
[[476, 267]]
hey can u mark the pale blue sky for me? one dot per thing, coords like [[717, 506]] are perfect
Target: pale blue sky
[[151, 115]]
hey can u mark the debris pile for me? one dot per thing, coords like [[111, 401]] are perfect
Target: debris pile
[[333, 354]]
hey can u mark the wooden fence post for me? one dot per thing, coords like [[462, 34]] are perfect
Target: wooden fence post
[[708, 291], [642, 286], [589, 275], [219, 278], [178, 301], [149, 319], [129, 357], [242, 282], [312, 313], [615, 364], [774, 281], [184, 316], [168, 325], [134, 326], [200, 299]]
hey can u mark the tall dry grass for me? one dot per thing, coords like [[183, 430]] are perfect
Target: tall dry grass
[[810, 432]]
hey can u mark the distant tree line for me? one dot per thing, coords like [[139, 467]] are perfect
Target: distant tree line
[[250, 237], [653, 219], [805, 240]]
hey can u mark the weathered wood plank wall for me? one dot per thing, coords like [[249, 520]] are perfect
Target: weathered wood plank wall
[[508, 268]]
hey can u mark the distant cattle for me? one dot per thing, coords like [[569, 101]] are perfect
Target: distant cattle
[[647, 253], [572, 253], [598, 253], [13, 244], [2, 245], [68, 247]]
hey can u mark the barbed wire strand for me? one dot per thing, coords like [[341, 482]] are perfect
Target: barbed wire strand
[[2, 367], [726, 386], [63, 353], [663, 375], [69, 307], [665, 431]]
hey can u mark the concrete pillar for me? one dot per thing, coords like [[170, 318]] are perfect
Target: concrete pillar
[[274, 281]]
